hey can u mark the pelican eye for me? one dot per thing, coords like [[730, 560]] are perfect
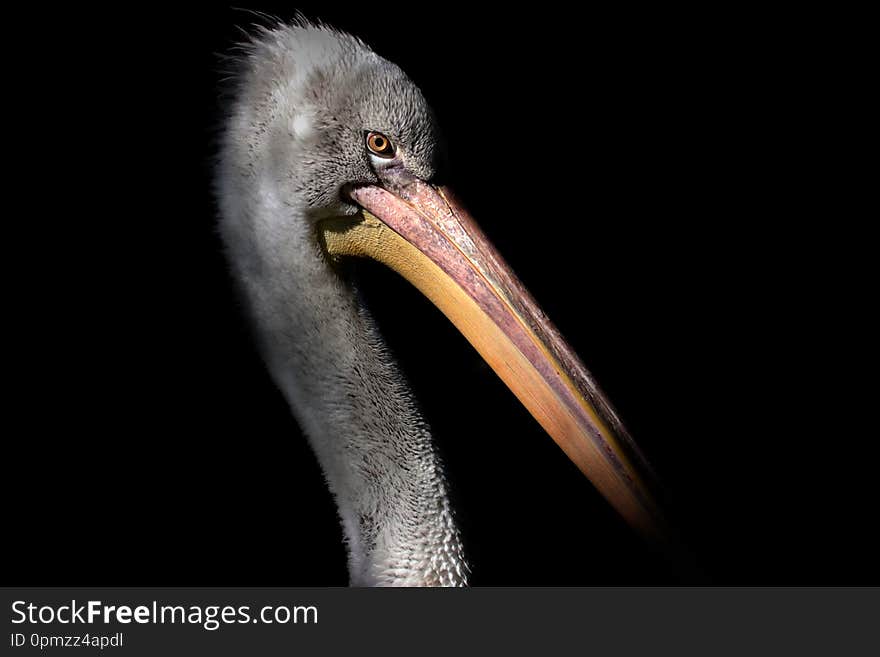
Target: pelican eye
[[379, 144]]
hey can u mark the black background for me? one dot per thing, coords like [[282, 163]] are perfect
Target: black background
[[644, 173]]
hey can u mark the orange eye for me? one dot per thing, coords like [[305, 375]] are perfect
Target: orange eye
[[380, 145]]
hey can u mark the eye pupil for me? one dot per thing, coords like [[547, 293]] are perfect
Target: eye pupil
[[379, 144]]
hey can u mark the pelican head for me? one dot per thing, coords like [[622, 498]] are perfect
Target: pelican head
[[331, 152]]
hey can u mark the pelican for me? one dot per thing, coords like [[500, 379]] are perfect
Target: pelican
[[330, 152]]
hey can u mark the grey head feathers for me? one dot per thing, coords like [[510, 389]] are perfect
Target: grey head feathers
[[305, 97], [294, 136]]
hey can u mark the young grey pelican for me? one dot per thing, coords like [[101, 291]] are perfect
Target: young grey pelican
[[329, 152]]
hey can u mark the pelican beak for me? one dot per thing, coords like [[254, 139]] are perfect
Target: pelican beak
[[421, 232]]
